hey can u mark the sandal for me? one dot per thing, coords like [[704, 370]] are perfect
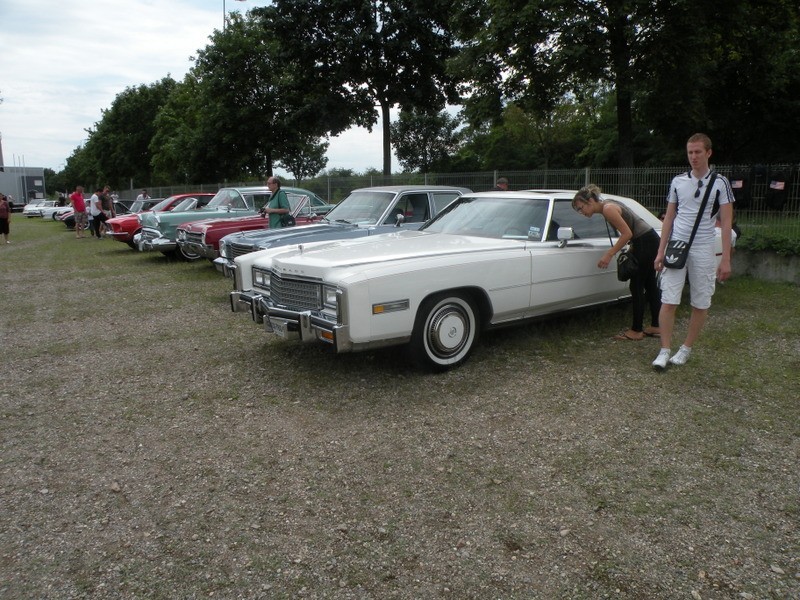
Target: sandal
[[629, 336], [652, 332]]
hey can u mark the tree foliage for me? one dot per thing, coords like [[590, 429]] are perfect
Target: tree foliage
[[381, 53], [542, 83], [120, 143], [670, 68], [304, 159], [424, 141]]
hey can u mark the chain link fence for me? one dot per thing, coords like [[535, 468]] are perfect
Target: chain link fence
[[766, 195]]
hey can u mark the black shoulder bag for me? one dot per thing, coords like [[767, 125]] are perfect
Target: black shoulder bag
[[677, 251]]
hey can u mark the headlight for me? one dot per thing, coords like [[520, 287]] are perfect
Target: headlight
[[329, 297], [261, 278], [223, 248], [181, 235]]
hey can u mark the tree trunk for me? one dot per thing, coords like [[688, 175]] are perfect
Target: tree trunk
[[621, 61], [625, 127], [387, 139]]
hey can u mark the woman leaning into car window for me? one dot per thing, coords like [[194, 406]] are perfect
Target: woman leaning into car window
[[644, 246]]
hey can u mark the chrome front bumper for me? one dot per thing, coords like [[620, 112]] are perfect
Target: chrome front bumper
[[202, 249], [225, 266], [303, 325], [157, 244], [247, 301]]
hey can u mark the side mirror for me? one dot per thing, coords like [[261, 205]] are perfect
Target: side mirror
[[400, 218], [565, 234]]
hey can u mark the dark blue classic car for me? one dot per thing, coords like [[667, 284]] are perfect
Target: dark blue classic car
[[366, 211]]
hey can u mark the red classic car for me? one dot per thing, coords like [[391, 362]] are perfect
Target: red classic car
[[124, 227], [201, 238]]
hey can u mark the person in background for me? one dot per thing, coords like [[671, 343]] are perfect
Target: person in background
[[79, 210], [684, 198], [5, 217], [501, 185], [644, 247], [278, 204], [107, 204], [143, 195], [96, 210]]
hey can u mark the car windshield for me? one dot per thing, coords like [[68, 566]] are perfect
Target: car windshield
[[296, 200], [493, 217], [185, 204], [364, 208], [136, 206], [164, 204], [226, 198]]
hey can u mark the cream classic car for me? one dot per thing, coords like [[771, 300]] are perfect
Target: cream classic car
[[489, 259]]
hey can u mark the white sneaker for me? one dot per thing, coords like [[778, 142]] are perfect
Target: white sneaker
[[660, 362], [681, 356]]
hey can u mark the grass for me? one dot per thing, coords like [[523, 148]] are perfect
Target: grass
[[554, 464]]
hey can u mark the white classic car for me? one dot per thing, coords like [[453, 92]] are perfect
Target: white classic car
[[53, 212], [34, 209], [490, 259]]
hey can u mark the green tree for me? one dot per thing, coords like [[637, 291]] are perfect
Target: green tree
[[381, 53], [424, 141], [733, 76], [119, 144], [81, 168], [304, 160], [179, 148], [241, 110], [534, 53]]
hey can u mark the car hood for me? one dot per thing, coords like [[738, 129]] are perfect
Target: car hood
[[172, 218], [316, 259], [131, 217], [203, 225], [288, 235]]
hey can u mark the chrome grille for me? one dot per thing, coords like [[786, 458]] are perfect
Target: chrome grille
[[295, 294], [150, 234], [194, 238], [235, 249]]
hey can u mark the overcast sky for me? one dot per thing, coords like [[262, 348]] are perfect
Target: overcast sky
[[63, 61]]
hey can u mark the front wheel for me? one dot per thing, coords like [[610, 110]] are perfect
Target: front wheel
[[445, 331]]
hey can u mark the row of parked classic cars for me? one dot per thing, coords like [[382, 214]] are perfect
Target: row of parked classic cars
[[428, 267]]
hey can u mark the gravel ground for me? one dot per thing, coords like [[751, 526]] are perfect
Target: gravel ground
[[156, 445]]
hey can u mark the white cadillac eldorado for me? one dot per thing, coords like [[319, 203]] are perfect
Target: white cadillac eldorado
[[490, 259]]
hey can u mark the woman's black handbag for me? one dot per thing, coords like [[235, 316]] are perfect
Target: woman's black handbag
[[287, 220], [627, 265]]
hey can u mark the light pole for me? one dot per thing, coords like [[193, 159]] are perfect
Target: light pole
[[225, 14]]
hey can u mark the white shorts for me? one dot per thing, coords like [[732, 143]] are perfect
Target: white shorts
[[701, 266]]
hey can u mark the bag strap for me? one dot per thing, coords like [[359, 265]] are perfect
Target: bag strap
[[703, 204], [608, 230]]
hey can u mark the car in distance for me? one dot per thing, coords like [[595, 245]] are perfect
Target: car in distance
[[54, 212], [122, 228], [34, 209], [201, 238], [364, 212], [489, 260], [159, 230]]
